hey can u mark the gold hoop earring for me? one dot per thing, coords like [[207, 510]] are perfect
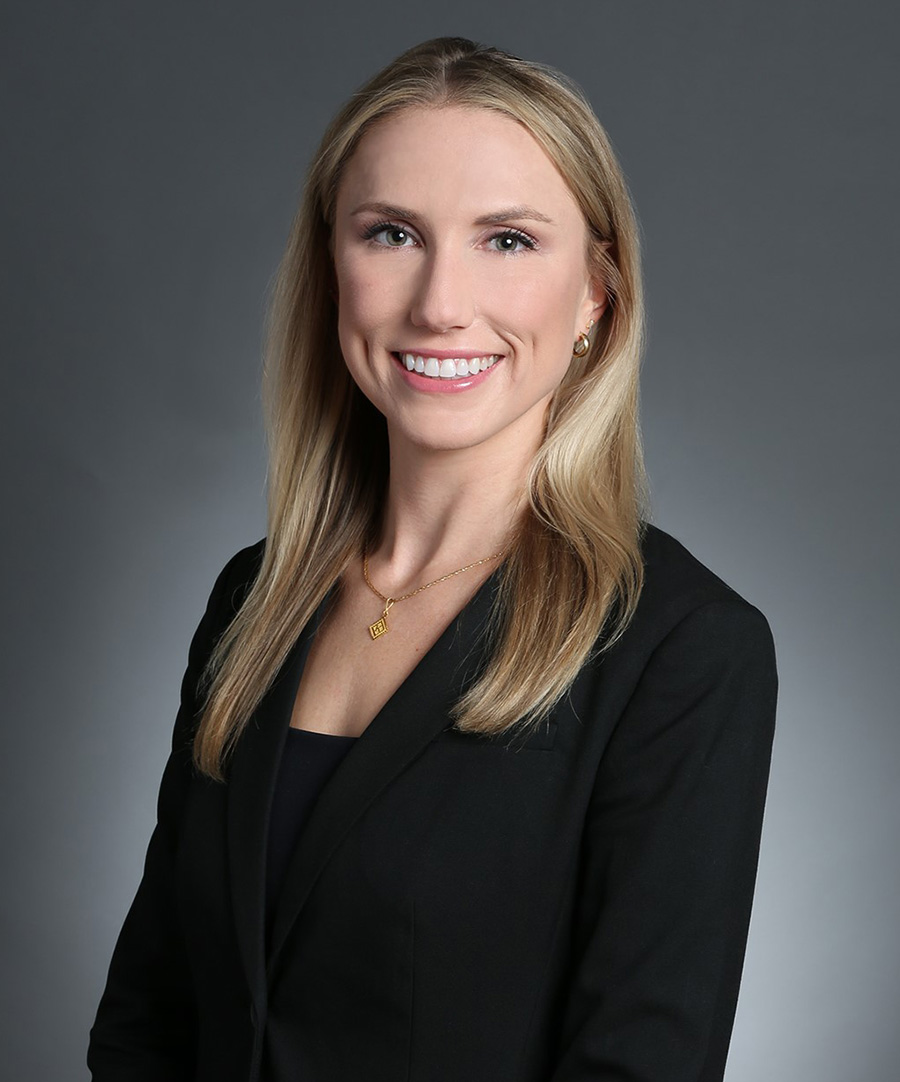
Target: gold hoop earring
[[582, 342]]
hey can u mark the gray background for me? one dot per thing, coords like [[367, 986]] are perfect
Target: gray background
[[154, 155]]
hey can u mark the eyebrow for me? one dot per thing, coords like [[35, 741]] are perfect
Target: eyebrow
[[507, 214], [512, 214]]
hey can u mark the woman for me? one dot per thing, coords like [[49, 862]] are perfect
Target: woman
[[468, 776]]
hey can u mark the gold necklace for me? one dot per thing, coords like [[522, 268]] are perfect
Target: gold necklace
[[380, 627]]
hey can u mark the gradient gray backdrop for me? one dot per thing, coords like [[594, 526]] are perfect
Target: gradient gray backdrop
[[153, 159]]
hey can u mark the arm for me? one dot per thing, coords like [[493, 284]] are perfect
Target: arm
[[145, 1024], [671, 847]]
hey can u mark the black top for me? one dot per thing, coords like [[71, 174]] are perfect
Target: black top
[[307, 762]]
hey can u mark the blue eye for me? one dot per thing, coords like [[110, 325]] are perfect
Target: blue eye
[[396, 238], [391, 236], [512, 241]]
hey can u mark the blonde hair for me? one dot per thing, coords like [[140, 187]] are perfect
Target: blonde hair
[[579, 539]]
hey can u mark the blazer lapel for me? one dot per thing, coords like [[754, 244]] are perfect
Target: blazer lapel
[[412, 717]]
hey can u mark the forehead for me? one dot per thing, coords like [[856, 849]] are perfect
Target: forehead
[[472, 158]]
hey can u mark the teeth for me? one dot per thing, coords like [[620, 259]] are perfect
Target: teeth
[[449, 368]]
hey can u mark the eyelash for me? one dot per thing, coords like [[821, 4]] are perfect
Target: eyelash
[[519, 234]]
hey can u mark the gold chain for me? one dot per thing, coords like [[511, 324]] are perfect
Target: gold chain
[[380, 627]]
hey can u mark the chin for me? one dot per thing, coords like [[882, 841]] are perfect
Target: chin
[[437, 438], [454, 442]]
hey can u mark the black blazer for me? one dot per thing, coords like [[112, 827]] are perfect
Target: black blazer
[[459, 909]]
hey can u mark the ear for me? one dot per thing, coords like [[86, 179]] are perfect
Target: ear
[[592, 307], [596, 295]]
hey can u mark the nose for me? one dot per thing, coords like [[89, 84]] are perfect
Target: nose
[[444, 297]]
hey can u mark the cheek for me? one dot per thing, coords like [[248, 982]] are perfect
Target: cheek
[[538, 307], [366, 299]]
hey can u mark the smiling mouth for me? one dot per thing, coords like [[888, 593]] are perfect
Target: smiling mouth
[[448, 367]]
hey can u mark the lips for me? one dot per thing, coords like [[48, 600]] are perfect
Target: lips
[[446, 368]]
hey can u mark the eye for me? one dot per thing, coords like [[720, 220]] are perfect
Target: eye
[[389, 234], [512, 241]]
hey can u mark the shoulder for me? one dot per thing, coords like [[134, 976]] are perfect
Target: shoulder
[[694, 670], [237, 576], [228, 592], [681, 593], [676, 582], [231, 586], [245, 563]]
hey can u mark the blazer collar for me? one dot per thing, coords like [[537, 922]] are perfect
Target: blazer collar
[[414, 716]]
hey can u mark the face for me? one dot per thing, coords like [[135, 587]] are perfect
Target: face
[[462, 281]]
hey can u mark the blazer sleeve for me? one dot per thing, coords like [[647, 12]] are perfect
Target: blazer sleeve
[[146, 1021], [670, 854]]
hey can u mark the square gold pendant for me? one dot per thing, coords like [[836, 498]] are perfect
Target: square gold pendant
[[379, 628]]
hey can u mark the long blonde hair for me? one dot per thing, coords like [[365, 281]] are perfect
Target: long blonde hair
[[579, 540]]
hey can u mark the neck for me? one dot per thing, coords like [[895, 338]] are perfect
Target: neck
[[446, 509]]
